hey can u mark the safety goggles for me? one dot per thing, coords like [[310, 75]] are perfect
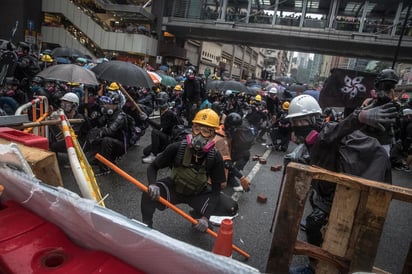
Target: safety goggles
[[204, 131]]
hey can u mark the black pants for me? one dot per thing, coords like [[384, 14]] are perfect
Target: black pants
[[159, 141], [199, 202], [108, 147]]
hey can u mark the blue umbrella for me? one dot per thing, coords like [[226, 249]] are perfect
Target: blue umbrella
[[63, 60], [164, 68]]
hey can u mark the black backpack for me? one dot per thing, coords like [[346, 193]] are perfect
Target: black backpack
[[242, 138]]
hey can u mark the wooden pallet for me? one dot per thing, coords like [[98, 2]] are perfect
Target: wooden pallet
[[355, 223]]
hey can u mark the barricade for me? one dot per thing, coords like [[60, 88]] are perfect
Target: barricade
[[39, 108], [355, 225]]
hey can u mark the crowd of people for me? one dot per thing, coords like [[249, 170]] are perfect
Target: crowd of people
[[205, 135]]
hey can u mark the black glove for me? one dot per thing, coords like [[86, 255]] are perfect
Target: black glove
[[154, 192], [377, 116], [202, 224], [94, 135]]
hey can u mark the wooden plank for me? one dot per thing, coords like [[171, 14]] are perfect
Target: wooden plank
[[294, 191], [398, 193], [42, 162], [339, 228], [313, 251], [372, 213]]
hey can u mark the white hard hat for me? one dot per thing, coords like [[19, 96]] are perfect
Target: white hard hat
[[70, 97], [407, 111], [303, 105], [273, 90]]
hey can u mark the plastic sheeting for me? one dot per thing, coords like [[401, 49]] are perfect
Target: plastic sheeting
[[94, 227]]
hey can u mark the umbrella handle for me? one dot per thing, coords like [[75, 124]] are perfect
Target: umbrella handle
[[139, 110]]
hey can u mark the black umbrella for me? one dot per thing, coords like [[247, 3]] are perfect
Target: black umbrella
[[213, 84], [233, 85], [125, 73], [66, 52], [69, 73]]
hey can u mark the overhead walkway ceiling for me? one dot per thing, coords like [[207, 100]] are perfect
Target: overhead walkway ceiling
[[331, 42]]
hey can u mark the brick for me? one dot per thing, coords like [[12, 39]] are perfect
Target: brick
[[255, 157], [276, 167], [262, 198], [262, 161]]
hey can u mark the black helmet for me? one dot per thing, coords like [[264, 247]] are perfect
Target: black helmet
[[386, 75], [217, 107], [162, 98], [190, 72], [24, 46], [37, 79], [12, 81], [232, 121]]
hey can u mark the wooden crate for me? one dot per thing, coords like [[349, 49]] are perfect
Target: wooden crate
[[355, 223], [42, 162]]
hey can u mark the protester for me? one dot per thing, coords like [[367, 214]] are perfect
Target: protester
[[192, 162], [191, 95], [109, 138], [162, 134], [328, 145], [69, 103]]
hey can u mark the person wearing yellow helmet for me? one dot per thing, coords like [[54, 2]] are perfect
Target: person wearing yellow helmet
[[192, 161], [114, 87]]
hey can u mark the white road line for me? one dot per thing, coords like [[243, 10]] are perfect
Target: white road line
[[256, 168], [236, 195]]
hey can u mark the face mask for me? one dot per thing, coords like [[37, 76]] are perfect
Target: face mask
[[107, 111], [66, 106], [301, 133], [199, 143]]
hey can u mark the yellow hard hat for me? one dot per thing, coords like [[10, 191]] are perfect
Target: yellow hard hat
[[258, 98], [47, 58], [73, 84], [285, 105], [207, 117], [178, 87], [113, 86]]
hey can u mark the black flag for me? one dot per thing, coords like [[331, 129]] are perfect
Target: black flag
[[346, 88]]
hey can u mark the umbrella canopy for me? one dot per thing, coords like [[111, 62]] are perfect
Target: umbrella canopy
[[251, 91], [69, 73], [164, 68], [233, 85], [125, 73], [155, 77], [168, 80], [66, 52], [213, 84]]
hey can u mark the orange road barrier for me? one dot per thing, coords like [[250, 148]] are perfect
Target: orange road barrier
[[144, 188]]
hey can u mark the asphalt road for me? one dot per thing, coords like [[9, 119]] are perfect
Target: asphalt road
[[252, 225]]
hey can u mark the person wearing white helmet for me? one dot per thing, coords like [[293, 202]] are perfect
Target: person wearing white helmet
[[335, 146], [69, 103]]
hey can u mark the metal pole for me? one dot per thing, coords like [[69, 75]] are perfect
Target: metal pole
[[395, 58]]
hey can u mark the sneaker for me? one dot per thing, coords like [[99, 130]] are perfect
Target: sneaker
[[149, 159], [407, 169], [238, 188], [401, 167]]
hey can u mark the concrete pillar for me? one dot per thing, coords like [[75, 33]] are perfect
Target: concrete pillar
[[249, 7], [223, 13], [332, 13], [363, 19], [275, 11], [302, 18], [396, 19]]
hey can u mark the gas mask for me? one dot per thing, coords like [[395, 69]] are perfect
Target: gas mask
[[199, 143], [66, 106], [106, 110]]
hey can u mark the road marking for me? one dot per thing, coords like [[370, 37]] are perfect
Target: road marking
[[236, 195]]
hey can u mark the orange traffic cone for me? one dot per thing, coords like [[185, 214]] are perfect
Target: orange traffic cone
[[223, 243]]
